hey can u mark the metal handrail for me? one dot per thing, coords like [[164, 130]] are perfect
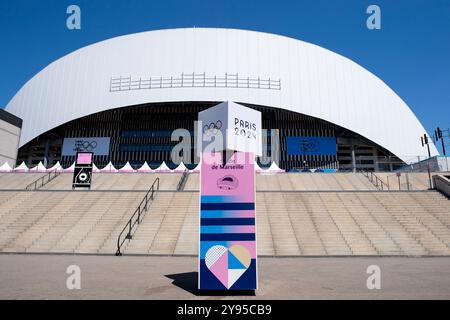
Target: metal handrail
[[137, 215], [408, 184], [376, 181], [40, 182], [182, 181]]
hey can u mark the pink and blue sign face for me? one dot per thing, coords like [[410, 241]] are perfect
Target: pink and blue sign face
[[84, 158], [227, 258]]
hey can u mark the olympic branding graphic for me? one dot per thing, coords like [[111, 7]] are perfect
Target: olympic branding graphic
[[84, 145], [99, 145], [212, 128], [309, 145]]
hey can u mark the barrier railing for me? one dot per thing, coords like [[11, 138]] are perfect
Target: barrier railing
[[376, 181], [193, 80], [42, 181], [137, 216], [398, 180], [183, 180]]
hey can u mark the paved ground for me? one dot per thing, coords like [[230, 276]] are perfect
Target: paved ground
[[127, 277]]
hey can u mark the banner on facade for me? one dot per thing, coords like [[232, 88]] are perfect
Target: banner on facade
[[98, 145], [310, 146]]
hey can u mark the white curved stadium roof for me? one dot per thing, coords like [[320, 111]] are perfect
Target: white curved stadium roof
[[305, 78]]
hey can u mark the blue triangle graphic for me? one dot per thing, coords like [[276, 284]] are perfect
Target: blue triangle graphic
[[234, 263]]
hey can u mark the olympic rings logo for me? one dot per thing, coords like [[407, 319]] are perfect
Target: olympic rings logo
[[81, 145], [212, 128]]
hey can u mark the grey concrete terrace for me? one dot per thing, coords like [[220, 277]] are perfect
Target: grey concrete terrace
[[40, 276]]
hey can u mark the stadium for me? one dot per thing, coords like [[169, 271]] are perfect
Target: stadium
[[135, 90], [349, 179]]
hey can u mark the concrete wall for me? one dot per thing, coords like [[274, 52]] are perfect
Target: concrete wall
[[437, 164], [10, 127], [442, 184]]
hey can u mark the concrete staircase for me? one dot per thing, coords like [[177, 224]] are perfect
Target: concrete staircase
[[17, 180], [312, 223], [417, 180], [289, 223], [118, 181], [65, 221], [301, 182], [170, 227]]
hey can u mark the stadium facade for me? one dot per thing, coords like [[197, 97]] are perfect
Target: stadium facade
[[124, 96]]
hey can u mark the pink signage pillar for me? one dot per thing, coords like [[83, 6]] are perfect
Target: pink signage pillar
[[227, 259]]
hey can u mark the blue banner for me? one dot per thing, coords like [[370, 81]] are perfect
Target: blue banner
[[311, 146]]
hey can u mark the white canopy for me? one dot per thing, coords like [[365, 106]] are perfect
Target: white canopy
[[21, 168], [5, 167], [127, 168], [70, 169], [109, 168], [258, 168], [145, 168], [181, 168], [95, 168], [197, 168], [39, 168], [57, 167], [274, 168], [163, 168]]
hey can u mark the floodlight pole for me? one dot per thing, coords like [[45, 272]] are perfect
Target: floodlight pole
[[425, 141], [438, 135]]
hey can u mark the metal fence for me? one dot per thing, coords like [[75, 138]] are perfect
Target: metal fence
[[193, 80]]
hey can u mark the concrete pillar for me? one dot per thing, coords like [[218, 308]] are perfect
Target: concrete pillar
[[29, 160], [353, 158], [47, 146]]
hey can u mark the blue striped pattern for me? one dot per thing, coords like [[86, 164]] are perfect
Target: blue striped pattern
[[227, 237], [227, 214], [227, 221], [217, 211], [228, 206]]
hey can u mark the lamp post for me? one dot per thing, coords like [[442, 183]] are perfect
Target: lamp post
[[426, 141], [439, 136]]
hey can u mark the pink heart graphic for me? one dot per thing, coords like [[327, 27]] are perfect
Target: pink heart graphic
[[227, 264]]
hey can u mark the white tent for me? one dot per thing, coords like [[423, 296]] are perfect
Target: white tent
[[163, 168], [181, 168], [5, 167], [145, 168], [196, 168], [258, 168], [127, 168], [56, 167], [274, 168], [109, 168], [95, 168], [70, 169], [21, 168], [39, 168]]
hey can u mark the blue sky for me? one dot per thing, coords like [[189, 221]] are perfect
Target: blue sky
[[411, 52]]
